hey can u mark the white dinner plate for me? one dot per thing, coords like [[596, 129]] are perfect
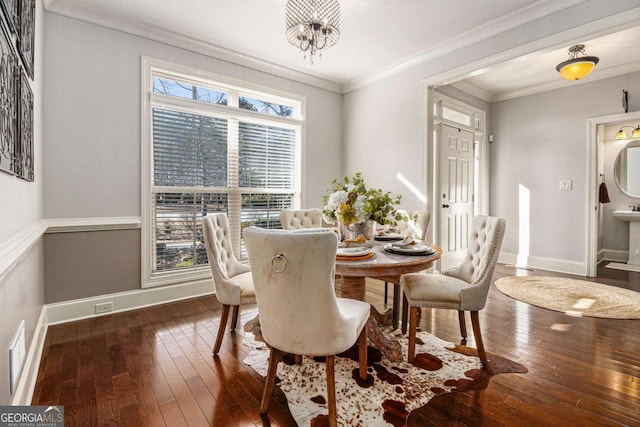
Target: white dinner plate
[[418, 248], [357, 251]]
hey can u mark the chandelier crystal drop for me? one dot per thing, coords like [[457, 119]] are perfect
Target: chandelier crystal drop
[[313, 25]]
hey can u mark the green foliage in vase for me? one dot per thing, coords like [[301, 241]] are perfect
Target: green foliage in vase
[[350, 201]]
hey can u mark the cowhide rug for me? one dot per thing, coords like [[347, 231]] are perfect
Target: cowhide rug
[[393, 389]]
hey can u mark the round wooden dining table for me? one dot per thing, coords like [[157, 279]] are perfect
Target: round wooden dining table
[[384, 266]]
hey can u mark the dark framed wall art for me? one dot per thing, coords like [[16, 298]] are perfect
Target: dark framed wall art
[[16, 98], [10, 10], [8, 104], [26, 33]]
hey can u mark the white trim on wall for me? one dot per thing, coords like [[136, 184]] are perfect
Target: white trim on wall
[[68, 225], [27, 380], [542, 263], [17, 246], [12, 250], [84, 308]]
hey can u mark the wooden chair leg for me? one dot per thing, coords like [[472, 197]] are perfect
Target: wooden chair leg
[[223, 325], [405, 313], [331, 391], [463, 324], [475, 323], [234, 317], [362, 353], [413, 320], [274, 358]]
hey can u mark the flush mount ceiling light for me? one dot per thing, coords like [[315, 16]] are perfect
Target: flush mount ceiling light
[[622, 135], [313, 25], [577, 67]]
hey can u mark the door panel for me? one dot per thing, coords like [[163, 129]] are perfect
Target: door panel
[[456, 185]]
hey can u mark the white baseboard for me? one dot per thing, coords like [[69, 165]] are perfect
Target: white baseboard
[[29, 375], [613, 255], [542, 263], [67, 311]]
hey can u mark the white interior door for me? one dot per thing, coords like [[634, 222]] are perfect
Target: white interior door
[[456, 193]]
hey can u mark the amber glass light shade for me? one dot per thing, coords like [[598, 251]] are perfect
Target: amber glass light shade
[[578, 68]]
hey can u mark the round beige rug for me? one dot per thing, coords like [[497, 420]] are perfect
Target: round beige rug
[[573, 297]]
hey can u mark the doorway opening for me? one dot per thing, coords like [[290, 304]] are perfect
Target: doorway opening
[[608, 237]]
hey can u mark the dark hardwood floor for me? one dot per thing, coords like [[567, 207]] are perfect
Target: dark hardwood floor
[[153, 367]]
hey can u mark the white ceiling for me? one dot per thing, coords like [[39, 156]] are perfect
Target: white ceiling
[[375, 34]]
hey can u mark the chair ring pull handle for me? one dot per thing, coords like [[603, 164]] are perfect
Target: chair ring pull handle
[[282, 259]]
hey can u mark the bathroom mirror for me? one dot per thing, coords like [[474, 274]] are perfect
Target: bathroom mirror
[[627, 169]]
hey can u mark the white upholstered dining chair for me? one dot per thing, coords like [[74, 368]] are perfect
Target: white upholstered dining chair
[[464, 288], [231, 279], [301, 218], [293, 274]]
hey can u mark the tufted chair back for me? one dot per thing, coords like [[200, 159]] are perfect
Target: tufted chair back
[[418, 228], [227, 271], [303, 218], [293, 276], [480, 261]]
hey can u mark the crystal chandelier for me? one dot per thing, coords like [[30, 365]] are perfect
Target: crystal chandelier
[[313, 25]]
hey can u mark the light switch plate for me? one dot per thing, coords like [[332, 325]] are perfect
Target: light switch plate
[[566, 185]]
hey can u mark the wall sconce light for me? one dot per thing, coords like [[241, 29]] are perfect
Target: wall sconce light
[[622, 135]]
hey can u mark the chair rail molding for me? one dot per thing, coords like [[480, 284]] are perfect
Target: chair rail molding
[[16, 247]]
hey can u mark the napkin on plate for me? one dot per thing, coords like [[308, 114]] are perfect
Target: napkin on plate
[[405, 243]]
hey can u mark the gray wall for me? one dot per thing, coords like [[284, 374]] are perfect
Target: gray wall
[[538, 141], [387, 118], [92, 105], [87, 264], [22, 285], [93, 127]]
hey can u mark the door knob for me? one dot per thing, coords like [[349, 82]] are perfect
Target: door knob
[[445, 206]]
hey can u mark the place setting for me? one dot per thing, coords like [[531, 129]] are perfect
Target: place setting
[[354, 253], [408, 246], [390, 235]]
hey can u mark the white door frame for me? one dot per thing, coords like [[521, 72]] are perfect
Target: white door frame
[[432, 139], [592, 184]]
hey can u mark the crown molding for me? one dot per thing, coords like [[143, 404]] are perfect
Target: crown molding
[[505, 23], [597, 74], [474, 90], [82, 12]]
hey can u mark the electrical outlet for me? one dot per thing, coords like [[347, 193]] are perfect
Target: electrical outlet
[[105, 307], [566, 185]]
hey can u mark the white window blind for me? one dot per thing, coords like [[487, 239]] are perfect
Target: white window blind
[[211, 153]]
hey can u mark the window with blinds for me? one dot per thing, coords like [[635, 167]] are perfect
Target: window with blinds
[[214, 147]]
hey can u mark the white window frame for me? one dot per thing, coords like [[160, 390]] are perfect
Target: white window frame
[[151, 68]]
